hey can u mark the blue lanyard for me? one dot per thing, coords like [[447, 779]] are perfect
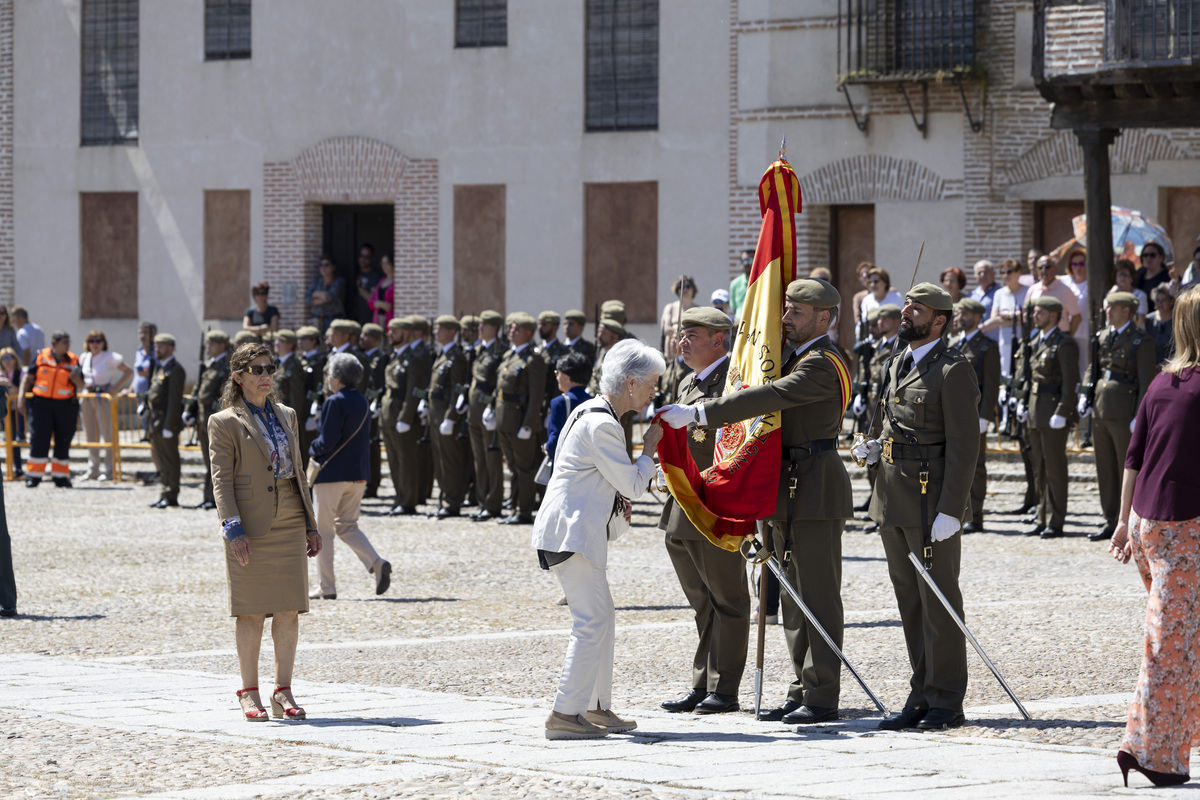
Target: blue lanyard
[[267, 418]]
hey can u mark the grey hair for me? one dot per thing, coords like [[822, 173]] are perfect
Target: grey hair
[[345, 367], [630, 358]]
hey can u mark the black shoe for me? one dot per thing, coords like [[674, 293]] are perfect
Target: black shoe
[[370, 493], [18, 473], [62, 483], [1024, 510], [1101, 535], [8, 612], [1051, 533], [208, 505], [516, 519], [483, 515], [908, 718], [1030, 517], [446, 513], [864, 505], [686, 703], [32, 483], [402, 511], [940, 719], [159, 503], [864, 517], [807, 715], [872, 528], [718, 704], [507, 506], [776, 714], [973, 527], [1036, 530], [383, 578]]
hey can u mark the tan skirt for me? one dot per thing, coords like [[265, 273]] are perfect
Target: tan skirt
[[276, 579]]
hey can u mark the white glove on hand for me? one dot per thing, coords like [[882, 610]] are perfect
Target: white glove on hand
[[524, 433], [660, 480], [1057, 422], [983, 425], [402, 426], [1022, 412], [1083, 407], [460, 405], [188, 419], [446, 428], [422, 407], [1003, 395], [168, 433], [489, 419], [314, 409], [374, 409], [868, 451], [944, 526], [310, 424], [1131, 424], [677, 416], [860, 405]]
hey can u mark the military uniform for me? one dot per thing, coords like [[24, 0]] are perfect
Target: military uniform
[[165, 401], [983, 355], [314, 394], [377, 361], [582, 345], [451, 452], [520, 391], [204, 402], [485, 448], [291, 382], [876, 374], [406, 379], [671, 380], [1051, 370]]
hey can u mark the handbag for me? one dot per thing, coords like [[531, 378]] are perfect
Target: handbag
[[315, 467], [546, 469]]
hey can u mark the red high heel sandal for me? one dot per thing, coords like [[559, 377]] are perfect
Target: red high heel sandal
[[282, 695], [252, 707]]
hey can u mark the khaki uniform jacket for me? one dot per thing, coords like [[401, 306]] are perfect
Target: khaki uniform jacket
[[877, 372], [450, 374], [407, 381], [937, 403], [809, 397], [1127, 366], [551, 352], [674, 522], [984, 357], [582, 346], [483, 378], [291, 381], [1052, 369], [520, 390], [165, 397], [207, 394], [376, 375], [243, 481]]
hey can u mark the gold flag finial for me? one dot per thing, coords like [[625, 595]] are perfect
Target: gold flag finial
[[783, 147]]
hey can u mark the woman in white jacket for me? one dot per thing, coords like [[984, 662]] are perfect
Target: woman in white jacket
[[587, 503]]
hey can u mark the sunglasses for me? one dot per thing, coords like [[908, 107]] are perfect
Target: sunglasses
[[95, 341], [1008, 271], [1152, 254], [259, 369]]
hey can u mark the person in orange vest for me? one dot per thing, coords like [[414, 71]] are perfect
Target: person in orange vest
[[53, 378]]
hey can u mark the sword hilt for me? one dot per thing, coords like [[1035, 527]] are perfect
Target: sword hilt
[[753, 550]]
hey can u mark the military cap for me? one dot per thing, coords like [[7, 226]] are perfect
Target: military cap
[[706, 317], [244, 337], [613, 309], [287, 335], [613, 325], [371, 329], [549, 316], [307, 332], [575, 315], [970, 304], [886, 311], [1121, 299], [469, 321], [419, 323], [400, 324], [346, 326], [931, 296], [447, 321], [813, 292], [490, 317], [164, 338], [216, 336], [1049, 303], [521, 320]]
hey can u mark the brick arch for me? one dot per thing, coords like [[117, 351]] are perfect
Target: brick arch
[[1060, 154], [872, 178], [350, 169]]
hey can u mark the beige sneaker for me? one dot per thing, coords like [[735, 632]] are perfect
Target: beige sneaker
[[576, 727], [609, 721]]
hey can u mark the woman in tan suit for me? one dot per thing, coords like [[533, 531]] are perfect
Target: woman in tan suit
[[267, 520]]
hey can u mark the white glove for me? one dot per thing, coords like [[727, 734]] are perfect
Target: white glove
[[860, 405], [1057, 422], [446, 428], [983, 425], [1003, 395], [1022, 412], [677, 416], [168, 433], [1131, 424], [660, 480], [422, 407], [460, 405], [944, 526], [1083, 407], [314, 409], [402, 426], [868, 451], [524, 433], [188, 419], [374, 408], [310, 424], [489, 419], [143, 409]]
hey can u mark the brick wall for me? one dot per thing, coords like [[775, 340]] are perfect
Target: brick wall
[[8, 268], [416, 231], [1074, 39], [284, 240]]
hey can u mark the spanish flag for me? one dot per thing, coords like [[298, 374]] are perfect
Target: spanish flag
[[726, 500]]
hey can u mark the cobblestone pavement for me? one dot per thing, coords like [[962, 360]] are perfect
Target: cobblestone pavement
[[118, 676]]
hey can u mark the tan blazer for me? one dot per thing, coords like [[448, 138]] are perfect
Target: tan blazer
[[243, 481]]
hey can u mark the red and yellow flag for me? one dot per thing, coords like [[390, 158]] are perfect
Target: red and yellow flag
[[726, 500]]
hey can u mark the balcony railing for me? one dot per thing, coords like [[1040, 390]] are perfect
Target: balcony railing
[[1152, 32], [892, 40]]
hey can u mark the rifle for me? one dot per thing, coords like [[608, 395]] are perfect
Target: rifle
[[1088, 389], [864, 350], [193, 402]]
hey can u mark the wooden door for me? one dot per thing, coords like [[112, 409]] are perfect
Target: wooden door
[[852, 235], [1183, 223]]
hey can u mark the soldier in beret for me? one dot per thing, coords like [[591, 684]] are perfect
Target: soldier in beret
[[308, 342], [885, 324], [983, 354], [165, 402], [924, 448], [205, 401], [575, 324], [289, 378], [712, 579], [1051, 372], [809, 519], [520, 392], [485, 447], [370, 341], [422, 349], [1119, 375], [245, 337], [447, 416], [407, 371], [467, 340]]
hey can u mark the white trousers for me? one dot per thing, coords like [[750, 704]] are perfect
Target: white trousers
[[337, 506], [97, 427], [587, 673]]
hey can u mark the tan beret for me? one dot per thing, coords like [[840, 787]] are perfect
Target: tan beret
[[216, 336], [549, 316], [286, 335], [887, 311], [1121, 299], [371, 329], [521, 320], [575, 315], [1049, 303], [400, 324], [613, 325], [490, 317], [706, 317], [419, 323], [970, 304], [814, 292], [246, 337], [469, 321], [164, 338], [931, 296], [308, 332], [447, 321], [613, 309], [348, 326]]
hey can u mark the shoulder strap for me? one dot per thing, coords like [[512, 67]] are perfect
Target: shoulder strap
[[343, 444]]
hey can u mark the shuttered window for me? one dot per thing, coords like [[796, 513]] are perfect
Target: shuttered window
[[109, 64], [226, 29], [622, 65], [481, 23]]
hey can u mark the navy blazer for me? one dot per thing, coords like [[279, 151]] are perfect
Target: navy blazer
[[558, 415], [340, 416]]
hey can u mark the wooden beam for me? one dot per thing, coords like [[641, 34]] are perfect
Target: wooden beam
[[1099, 115]]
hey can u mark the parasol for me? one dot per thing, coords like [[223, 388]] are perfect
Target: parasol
[[1130, 230]]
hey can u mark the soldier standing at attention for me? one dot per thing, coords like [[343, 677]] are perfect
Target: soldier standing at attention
[[886, 321], [1051, 370], [574, 324], [1125, 364], [308, 342], [924, 449], [466, 341], [371, 339], [489, 466], [421, 345], [451, 453], [205, 401], [406, 370], [712, 579], [520, 392], [165, 401], [983, 354], [290, 379]]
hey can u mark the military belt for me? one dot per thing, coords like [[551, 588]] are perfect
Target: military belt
[[896, 451], [798, 451], [1040, 387], [1109, 375]]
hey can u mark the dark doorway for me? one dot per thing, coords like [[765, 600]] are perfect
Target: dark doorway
[[345, 229], [1052, 223], [852, 241]]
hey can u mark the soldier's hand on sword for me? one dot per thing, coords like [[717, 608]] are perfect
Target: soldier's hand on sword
[[1083, 407], [868, 450], [1022, 412], [944, 526], [677, 416], [860, 405]]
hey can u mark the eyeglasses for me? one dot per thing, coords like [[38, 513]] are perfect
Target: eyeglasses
[[1078, 263], [8, 358], [95, 341], [259, 369], [1008, 271], [1151, 254]]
